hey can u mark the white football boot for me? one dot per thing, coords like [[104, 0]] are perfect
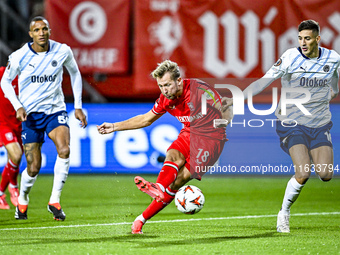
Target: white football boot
[[282, 225]]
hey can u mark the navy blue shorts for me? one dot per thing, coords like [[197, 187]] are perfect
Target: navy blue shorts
[[311, 137], [37, 123]]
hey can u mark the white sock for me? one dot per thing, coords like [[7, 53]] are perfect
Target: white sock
[[26, 184], [141, 218], [13, 186], [61, 168], [161, 187], [293, 190]]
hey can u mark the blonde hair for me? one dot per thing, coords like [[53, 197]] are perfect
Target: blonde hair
[[164, 67]]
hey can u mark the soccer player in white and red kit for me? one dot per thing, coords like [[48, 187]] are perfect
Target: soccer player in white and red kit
[[198, 145], [10, 137]]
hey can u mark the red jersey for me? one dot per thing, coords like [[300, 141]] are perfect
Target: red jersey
[[187, 109], [7, 112]]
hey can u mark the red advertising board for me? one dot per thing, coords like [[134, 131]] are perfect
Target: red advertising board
[[224, 39], [208, 39], [97, 31]]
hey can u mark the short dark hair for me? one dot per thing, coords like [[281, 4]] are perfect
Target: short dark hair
[[38, 18], [309, 25]]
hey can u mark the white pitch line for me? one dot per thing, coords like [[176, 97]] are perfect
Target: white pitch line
[[170, 221]]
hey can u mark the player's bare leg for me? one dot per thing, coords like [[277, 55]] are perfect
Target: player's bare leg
[[301, 160], [28, 177], [323, 162], [182, 178], [155, 207], [14, 152], [61, 138]]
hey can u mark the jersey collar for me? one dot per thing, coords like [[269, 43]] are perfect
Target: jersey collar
[[30, 47], [320, 52]]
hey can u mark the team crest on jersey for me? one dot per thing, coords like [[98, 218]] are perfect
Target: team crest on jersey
[[9, 136], [326, 68], [54, 63], [279, 62]]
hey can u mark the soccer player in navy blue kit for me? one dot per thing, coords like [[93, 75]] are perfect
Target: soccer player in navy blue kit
[[307, 137], [41, 108]]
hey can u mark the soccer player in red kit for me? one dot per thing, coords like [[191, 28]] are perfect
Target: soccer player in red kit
[[10, 137], [198, 145]]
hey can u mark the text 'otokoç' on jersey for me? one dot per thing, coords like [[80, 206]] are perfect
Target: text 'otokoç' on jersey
[[44, 78], [313, 82]]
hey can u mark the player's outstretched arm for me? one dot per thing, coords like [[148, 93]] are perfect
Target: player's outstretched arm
[[105, 128], [136, 122], [79, 114]]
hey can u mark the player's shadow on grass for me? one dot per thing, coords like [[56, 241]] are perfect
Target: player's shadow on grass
[[28, 241], [140, 240], [205, 240]]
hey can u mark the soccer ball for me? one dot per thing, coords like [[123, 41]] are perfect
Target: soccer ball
[[189, 199]]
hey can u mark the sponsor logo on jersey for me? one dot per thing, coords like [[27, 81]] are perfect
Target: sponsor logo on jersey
[[313, 82], [183, 118], [190, 118], [43, 78]]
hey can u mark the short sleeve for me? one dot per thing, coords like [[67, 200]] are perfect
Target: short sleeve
[[158, 108]]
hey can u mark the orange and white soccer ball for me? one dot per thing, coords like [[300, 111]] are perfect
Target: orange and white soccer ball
[[189, 199]]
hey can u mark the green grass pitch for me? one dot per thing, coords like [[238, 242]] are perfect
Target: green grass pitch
[[239, 217]]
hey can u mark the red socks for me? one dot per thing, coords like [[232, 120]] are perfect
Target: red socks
[[167, 174], [9, 175], [156, 207], [13, 176]]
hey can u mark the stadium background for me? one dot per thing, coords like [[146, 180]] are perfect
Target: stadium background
[[118, 43]]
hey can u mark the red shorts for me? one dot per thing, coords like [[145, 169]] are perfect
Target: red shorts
[[199, 151], [9, 135]]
